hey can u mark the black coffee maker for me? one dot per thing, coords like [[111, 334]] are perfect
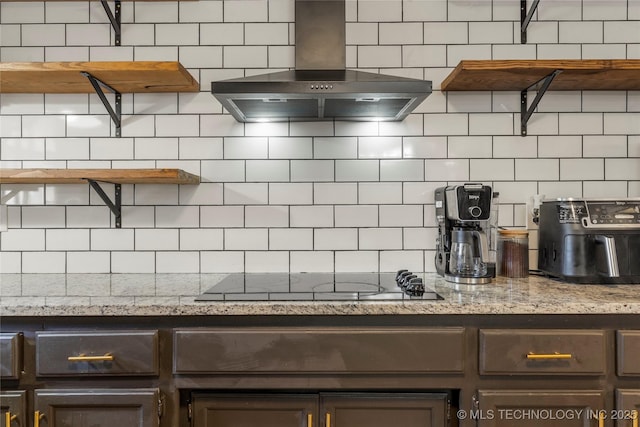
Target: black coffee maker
[[467, 223]]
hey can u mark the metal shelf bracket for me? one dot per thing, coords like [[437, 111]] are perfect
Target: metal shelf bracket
[[115, 207], [114, 18], [527, 111], [116, 116], [525, 18]]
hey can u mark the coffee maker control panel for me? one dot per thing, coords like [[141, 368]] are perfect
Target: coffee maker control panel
[[469, 202]]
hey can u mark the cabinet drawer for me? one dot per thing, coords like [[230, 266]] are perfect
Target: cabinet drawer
[[628, 353], [97, 353], [321, 350], [545, 351], [10, 356]]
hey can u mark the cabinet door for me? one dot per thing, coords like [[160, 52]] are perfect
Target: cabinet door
[[539, 408], [247, 410], [97, 407], [384, 410], [14, 408], [627, 408]]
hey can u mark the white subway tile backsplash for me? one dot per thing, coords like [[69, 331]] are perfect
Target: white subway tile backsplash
[[246, 148], [156, 239], [447, 170], [335, 147], [246, 239], [266, 216], [222, 262], [604, 145], [401, 216], [490, 32], [356, 216], [222, 216], [335, 193], [43, 35], [245, 193], [580, 32], [22, 149], [411, 260], [581, 169], [337, 239], [402, 170], [491, 170], [222, 171], [290, 239], [311, 216], [537, 169], [177, 262], [361, 33], [379, 56], [67, 240], [444, 33], [290, 193], [290, 148], [267, 170], [380, 193], [605, 189], [42, 262], [133, 262], [622, 123], [23, 240], [10, 262], [267, 262], [469, 147], [419, 56], [401, 33], [112, 239], [622, 169], [379, 147], [301, 196], [312, 170], [357, 170]]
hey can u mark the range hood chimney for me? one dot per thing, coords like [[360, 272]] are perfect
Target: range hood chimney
[[320, 87]]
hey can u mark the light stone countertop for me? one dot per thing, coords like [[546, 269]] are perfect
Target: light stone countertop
[[174, 294]]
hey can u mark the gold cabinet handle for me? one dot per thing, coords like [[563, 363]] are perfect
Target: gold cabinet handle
[[635, 416], [8, 418], [601, 416], [82, 358], [549, 356], [37, 416], [309, 420], [327, 420]]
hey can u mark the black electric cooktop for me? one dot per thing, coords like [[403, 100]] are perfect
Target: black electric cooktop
[[312, 287]]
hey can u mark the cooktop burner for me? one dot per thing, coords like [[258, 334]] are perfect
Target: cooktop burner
[[312, 287]]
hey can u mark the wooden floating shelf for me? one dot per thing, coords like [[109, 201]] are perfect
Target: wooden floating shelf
[[113, 176], [94, 177], [517, 75], [124, 77]]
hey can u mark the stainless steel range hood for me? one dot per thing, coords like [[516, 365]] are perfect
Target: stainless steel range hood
[[320, 88]]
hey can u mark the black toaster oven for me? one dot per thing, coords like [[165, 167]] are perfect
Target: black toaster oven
[[590, 240]]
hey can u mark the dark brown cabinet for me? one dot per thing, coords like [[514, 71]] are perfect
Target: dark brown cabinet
[[14, 408], [323, 410], [627, 412], [97, 407], [628, 353], [540, 408], [10, 355]]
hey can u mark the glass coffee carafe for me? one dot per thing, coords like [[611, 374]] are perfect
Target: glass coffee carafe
[[468, 253]]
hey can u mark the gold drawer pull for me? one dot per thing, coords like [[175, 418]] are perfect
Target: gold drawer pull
[[82, 358], [309, 420], [327, 420], [8, 418], [37, 416], [549, 356], [635, 416]]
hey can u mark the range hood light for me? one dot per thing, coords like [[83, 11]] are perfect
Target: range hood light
[[367, 99], [274, 100]]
